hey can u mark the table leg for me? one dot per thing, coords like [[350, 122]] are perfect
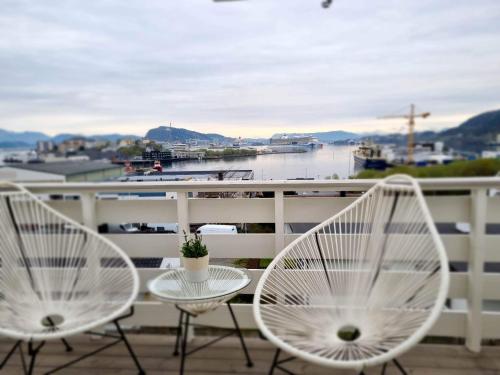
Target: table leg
[[240, 335], [179, 333], [184, 343]]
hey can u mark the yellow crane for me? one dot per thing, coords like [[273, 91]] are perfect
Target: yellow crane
[[411, 127]]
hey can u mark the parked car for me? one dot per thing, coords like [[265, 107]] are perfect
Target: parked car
[[217, 229]]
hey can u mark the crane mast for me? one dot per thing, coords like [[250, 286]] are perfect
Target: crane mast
[[411, 128]]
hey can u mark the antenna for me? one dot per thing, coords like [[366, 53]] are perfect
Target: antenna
[[411, 127]]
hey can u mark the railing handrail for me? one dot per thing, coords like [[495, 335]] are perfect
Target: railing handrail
[[454, 183]]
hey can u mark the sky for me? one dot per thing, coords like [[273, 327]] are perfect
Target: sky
[[245, 68]]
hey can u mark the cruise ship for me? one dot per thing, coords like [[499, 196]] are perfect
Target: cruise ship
[[294, 141]]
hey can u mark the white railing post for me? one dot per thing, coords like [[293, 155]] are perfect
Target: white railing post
[[89, 210], [182, 215], [475, 274], [279, 221], [183, 223]]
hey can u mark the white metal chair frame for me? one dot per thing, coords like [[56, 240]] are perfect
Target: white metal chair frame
[[58, 278], [361, 288]]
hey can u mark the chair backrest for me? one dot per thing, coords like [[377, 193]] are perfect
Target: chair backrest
[[51, 263], [380, 256]]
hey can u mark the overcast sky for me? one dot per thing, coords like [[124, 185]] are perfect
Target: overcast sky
[[249, 68]]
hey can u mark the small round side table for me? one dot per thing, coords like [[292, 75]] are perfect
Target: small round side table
[[193, 299]]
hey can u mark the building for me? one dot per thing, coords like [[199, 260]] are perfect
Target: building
[[188, 154], [73, 171], [72, 145], [157, 155], [43, 147], [24, 175]]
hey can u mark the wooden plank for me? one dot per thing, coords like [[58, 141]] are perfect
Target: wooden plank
[[146, 244], [493, 211], [313, 209], [133, 211], [491, 325], [450, 324], [238, 210], [72, 209], [449, 209], [250, 245], [491, 248], [458, 285], [219, 245], [491, 282], [456, 245]]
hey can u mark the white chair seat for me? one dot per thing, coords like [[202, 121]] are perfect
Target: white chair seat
[[360, 288]]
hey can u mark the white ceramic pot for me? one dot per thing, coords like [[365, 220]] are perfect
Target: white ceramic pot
[[196, 268]]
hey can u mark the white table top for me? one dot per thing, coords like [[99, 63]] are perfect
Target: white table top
[[172, 285]]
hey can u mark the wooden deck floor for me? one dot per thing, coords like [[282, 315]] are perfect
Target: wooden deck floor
[[226, 357]]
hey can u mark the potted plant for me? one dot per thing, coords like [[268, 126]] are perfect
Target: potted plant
[[195, 258]]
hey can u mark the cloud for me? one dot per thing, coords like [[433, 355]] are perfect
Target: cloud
[[245, 68]]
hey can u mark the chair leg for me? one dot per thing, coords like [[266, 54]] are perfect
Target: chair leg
[[68, 347], [240, 335], [179, 333], [184, 343], [384, 367], [33, 352], [400, 368], [129, 347], [9, 354], [275, 361]]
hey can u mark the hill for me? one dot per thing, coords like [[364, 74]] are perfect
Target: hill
[[113, 137], [15, 139], [10, 139], [475, 134], [171, 134]]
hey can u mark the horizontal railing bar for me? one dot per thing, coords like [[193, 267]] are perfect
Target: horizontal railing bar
[[273, 185]]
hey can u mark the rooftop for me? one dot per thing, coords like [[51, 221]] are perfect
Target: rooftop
[[68, 168]]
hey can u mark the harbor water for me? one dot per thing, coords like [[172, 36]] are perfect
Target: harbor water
[[318, 164]]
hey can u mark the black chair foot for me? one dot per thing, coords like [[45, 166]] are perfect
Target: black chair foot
[[68, 347], [175, 354], [249, 364]]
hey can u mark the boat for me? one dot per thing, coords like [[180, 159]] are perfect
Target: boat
[[293, 140], [369, 155], [379, 157]]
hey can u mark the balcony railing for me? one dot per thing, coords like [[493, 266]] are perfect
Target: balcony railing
[[450, 200]]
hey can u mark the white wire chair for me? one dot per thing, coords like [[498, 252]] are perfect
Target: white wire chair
[[360, 288], [57, 277]]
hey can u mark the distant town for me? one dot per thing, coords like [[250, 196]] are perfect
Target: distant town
[[81, 158]]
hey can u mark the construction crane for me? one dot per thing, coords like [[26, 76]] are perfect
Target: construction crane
[[325, 3], [411, 127]]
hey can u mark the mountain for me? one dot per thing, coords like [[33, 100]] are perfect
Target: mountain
[[113, 137], [15, 138], [171, 134], [475, 134], [334, 136], [10, 139]]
